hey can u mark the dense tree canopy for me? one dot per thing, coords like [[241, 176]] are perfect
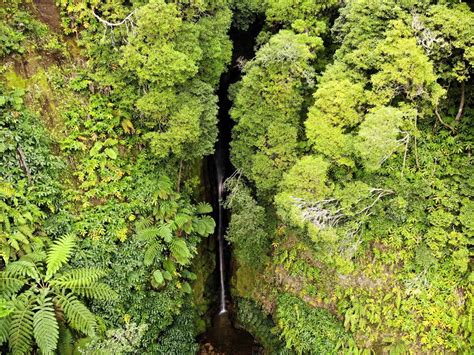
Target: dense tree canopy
[[351, 207]]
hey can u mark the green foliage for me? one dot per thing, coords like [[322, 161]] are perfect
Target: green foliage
[[302, 15], [306, 329], [259, 324], [379, 134], [25, 160], [372, 213], [268, 107], [354, 204], [40, 293], [247, 229], [21, 32], [117, 341]]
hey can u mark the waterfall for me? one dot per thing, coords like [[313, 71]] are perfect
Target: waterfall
[[222, 335], [220, 228]]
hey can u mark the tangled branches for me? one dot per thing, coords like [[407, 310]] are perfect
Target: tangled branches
[[326, 213], [110, 26], [320, 213]]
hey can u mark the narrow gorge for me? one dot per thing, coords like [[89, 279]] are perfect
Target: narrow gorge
[[236, 177]]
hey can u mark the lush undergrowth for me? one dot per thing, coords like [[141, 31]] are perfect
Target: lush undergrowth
[[352, 206], [352, 209], [101, 140]]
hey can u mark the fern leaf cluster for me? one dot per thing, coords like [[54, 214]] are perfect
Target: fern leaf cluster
[[79, 277], [9, 284], [59, 254], [77, 315], [45, 325], [38, 291], [20, 336]]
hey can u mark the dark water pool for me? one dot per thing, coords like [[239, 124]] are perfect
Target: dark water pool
[[224, 338]]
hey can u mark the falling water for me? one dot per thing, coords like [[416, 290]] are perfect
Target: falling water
[[222, 335], [220, 228]]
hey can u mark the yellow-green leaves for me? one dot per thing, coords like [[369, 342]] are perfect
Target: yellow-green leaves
[[380, 136], [59, 254], [268, 106]]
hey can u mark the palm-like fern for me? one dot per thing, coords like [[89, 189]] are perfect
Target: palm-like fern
[[41, 294], [169, 235]]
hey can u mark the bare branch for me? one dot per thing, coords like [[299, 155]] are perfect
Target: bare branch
[[381, 193], [109, 26], [438, 116], [318, 213], [116, 24], [405, 155], [23, 164], [461, 103]]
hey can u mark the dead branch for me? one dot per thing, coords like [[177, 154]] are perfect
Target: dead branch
[[318, 213], [381, 193], [23, 164], [439, 119], [116, 24], [109, 26], [405, 155], [461, 103]]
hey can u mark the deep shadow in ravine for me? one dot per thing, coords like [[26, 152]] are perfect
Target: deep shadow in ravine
[[223, 337]]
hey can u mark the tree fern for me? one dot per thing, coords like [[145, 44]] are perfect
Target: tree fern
[[203, 207], [21, 327], [148, 234], [34, 257], [43, 293], [180, 251], [151, 252], [143, 223], [182, 219], [5, 323], [78, 277], [165, 232], [59, 254], [77, 315], [96, 290], [204, 225], [22, 268], [151, 233], [10, 285], [45, 325]]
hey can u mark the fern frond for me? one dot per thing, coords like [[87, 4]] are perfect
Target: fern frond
[[180, 251], [78, 277], [148, 234], [204, 225], [10, 285], [77, 315], [97, 290], [181, 219], [22, 268], [65, 341], [45, 325], [151, 252], [165, 232], [142, 224], [203, 207], [59, 254], [5, 324], [34, 257], [21, 327]]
